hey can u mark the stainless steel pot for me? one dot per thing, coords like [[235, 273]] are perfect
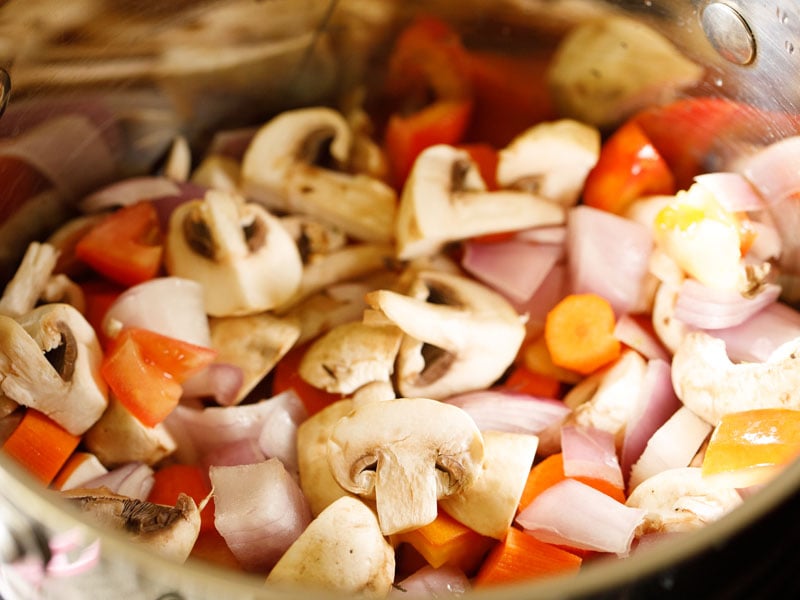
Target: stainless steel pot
[[193, 67]]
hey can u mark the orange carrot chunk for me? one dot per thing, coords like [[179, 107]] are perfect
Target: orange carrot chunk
[[40, 445], [579, 333], [172, 480], [521, 557]]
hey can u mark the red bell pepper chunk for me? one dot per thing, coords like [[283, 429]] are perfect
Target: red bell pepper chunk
[[171, 481], [126, 246], [286, 377], [629, 167], [144, 370]]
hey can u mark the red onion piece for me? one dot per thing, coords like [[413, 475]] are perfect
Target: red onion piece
[[239, 452], [590, 452], [510, 411], [88, 164], [608, 255], [550, 292], [431, 582], [732, 191], [220, 381], [633, 334], [171, 306], [574, 514], [260, 511], [129, 191], [134, 480], [773, 170], [513, 268], [655, 404], [759, 336], [701, 306]]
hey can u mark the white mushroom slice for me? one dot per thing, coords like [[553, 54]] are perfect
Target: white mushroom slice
[[30, 280], [7, 406], [610, 406], [342, 550], [243, 257], [169, 531], [254, 343], [460, 335], [490, 505], [711, 386], [217, 172], [50, 360], [678, 500], [60, 288], [119, 438], [406, 453], [316, 479], [670, 331], [351, 262], [279, 170], [375, 391], [445, 199], [312, 236], [607, 68], [179, 161], [350, 356], [551, 160]]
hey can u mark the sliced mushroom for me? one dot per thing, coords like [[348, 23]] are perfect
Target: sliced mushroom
[[312, 236], [60, 288], [119, 438], [178, 166], [490, 505], [711, 386], [460, 335], [243, 257], [551, 160], [30, 280], [607, 399], [607, 68], [350, 356], [254, 343], [680, 499], [285, 167], [316, 478], [445, 199], [50, 360], [217, 172], [406, 453], [342, 550], [169, 531], [375, 391]]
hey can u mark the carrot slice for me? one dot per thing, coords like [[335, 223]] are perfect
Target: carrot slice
[[286, 376], [521, 557], [750, 447], [445, 541], [536, 357], [40, 445], [523, 380], [579, 333]]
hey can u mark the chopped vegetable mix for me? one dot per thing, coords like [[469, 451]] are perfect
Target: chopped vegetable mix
[[393, 350]]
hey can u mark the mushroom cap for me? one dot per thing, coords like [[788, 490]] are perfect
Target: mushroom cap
[[405, 453]]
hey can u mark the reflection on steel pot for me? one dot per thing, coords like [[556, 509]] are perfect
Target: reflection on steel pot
[[105, 91]]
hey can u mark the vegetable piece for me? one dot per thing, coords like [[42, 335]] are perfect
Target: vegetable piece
[[145, 369], [711, 386], [341, 550], [50, 360], [40, 445], [447, 542], [490, 504], [607, 68], [169, 531], [259, 510], [449, 321], [126, 246], [287, 377], [445, 200], [577, 515], [28, 285], [383, 449], [170, 481], [524, 381], [629, 168], [536, 357], [521, 557], [79, 468], [579, 333], [132, 480], [750, 447], [550, 471], [435, 583], [681, 499], [590, 452], [486, 159]]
